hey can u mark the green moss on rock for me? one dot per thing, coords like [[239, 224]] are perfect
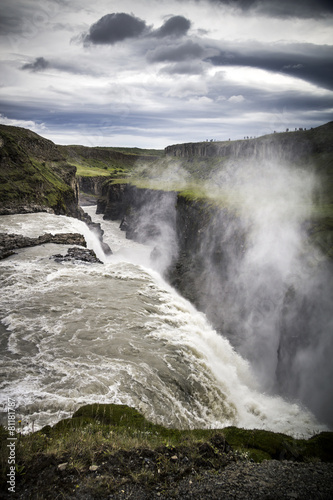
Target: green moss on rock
[[262, 445]]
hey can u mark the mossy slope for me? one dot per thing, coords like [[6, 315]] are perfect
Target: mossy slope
[[34, 172]]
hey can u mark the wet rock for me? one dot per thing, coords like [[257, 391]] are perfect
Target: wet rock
[[78, 254], [11, 242], [106, 249], [124, 224], [95, 227]]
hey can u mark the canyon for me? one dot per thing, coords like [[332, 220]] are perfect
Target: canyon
[[247, 237]]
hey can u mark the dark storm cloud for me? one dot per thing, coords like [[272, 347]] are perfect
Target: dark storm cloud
[[282, 8], [176, 53], [13, 17], [313, 63], [116, 27], [175, 26], [39, 64], [113, 28]]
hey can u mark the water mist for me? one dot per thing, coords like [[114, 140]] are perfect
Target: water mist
[[252, 269], [272, 289]]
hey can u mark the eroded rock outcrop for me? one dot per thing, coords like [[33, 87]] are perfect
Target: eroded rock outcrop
[[11, 242], [78, 254]]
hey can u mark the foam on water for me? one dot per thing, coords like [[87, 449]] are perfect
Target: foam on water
[[117, 333]]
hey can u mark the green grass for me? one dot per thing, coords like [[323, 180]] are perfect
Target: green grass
[[266, 445], [119, 436], [88, 171]]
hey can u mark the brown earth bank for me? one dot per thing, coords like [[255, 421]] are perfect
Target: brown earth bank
[[140, 475]]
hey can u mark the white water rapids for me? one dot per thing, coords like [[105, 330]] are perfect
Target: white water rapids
[[76, 333]]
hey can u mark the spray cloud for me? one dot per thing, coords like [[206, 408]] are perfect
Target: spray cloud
[[254, 271]]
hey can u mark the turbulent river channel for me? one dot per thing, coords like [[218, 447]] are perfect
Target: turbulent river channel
[[73, 333]]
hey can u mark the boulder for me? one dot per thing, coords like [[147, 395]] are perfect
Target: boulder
[[78, 254]]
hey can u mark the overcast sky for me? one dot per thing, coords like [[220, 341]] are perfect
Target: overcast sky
[[150, 73]]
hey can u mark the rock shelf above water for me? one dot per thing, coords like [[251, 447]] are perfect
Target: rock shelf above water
[[11, 242]]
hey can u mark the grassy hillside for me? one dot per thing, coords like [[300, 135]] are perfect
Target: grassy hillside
[[103, 161], [34, 172]]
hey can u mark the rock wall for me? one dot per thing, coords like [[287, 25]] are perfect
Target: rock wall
[[91, 185], [142, 212], [116, 201], [285, 148]]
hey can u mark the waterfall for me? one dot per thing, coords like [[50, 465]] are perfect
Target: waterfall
[[76, 333]]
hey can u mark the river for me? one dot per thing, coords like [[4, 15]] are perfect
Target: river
[[77, 333]]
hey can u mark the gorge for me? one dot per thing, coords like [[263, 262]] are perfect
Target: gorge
[[243, 230], [258, 262]]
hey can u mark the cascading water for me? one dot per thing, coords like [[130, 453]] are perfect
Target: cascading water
[[73, 333]]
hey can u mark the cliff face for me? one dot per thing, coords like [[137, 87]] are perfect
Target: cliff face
[[288, 146], [285, 148], [144, 213], [34, 174], [91, 185]]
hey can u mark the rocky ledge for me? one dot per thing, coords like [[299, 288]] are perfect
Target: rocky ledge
[[11, 242], [25, 209], [78, 254]]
